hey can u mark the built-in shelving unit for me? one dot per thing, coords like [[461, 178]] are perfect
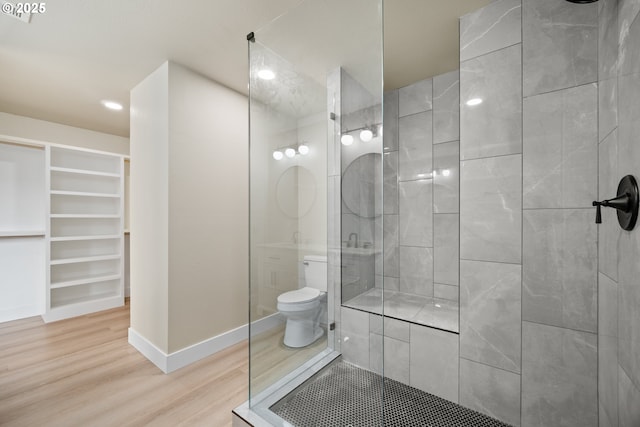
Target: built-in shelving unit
[[22, 230], [86, 232]]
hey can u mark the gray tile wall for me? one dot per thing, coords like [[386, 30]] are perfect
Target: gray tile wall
[[491, 210], [618, 265], [421, 192], [559, 243]]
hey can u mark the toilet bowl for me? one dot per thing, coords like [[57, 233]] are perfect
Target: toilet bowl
[[303, 307]]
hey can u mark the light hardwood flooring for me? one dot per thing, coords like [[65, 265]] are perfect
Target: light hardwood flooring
[[272, 360], [82, 372]]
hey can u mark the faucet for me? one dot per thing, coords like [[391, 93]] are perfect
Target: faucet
[[356, 240]]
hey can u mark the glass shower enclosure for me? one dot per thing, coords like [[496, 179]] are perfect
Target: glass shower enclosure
[[315, 191]]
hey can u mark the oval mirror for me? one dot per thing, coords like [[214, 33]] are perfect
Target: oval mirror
[[362, 185], [296, 191]]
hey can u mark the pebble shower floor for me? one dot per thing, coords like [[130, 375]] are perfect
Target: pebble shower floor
[[344, 395]]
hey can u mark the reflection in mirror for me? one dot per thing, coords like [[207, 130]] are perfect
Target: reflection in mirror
[[420, 225], [296, 192], [360, 181]]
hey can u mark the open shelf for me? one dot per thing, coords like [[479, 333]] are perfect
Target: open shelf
[[22, 233], [84, 172], [83, 194], [88, 216], [87, 281], [80, 238], [84, 259]]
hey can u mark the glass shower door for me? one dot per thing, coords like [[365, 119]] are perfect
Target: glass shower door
[[315, 204]]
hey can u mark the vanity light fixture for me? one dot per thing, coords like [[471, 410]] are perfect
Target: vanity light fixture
[[266, 74], [303, 149], [346, 139], [366, 135], [474, 101], [112, 105], [290, 152], [278, 155]]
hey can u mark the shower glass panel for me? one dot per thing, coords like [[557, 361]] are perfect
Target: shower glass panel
[[315, 196]]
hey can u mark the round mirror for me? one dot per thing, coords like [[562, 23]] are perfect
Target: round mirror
[[362, 185], [296, 191]]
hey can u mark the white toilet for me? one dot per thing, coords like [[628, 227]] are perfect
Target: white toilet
[[303, 307]]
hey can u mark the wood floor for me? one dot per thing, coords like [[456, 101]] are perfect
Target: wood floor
[[82, 372]]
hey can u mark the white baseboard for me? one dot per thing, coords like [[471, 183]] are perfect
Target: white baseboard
[[188, 355], [20, 313]]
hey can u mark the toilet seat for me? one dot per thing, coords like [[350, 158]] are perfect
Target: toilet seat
[[299, 296]]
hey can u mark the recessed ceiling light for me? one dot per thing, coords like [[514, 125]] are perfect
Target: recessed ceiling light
[[266, 74], [112, 105], [474, 101]]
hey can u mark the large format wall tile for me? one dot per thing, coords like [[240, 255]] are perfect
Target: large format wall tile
[[491, 391], [560, 168], [390, 242], [608, 380], [629, 305], [446, 180], [490, 313], [416, 270], [390, 183], [560, 45], [628, 125], [415, 98], [607, 39], [607, 107], [434, 362], [446, 107], [629, 242], [416, 209], [396, 360], [559, 285], [446, 242], [628, 398], [355, 336], [629, 57], [493, 27], [490, 209], [448, 292], [559, 377], [609, 231], [390, 128], [493, 127], [607, 306], [415, 157]]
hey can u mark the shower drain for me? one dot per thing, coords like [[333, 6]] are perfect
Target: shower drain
[[347, 396]]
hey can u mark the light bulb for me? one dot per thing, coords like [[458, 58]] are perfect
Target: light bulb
[[266, 74], [474, 101], [366, 135], [446, 172], [303, 149], [277, 155], [289, 152], [346, 139]]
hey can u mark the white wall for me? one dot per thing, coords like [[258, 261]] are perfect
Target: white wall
[[208, 208], [40, 130], [189, 210], [149, 215]]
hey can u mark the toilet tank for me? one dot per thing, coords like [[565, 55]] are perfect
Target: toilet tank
[[315, 272]]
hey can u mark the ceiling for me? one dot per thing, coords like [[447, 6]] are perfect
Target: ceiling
[[66, 60]]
